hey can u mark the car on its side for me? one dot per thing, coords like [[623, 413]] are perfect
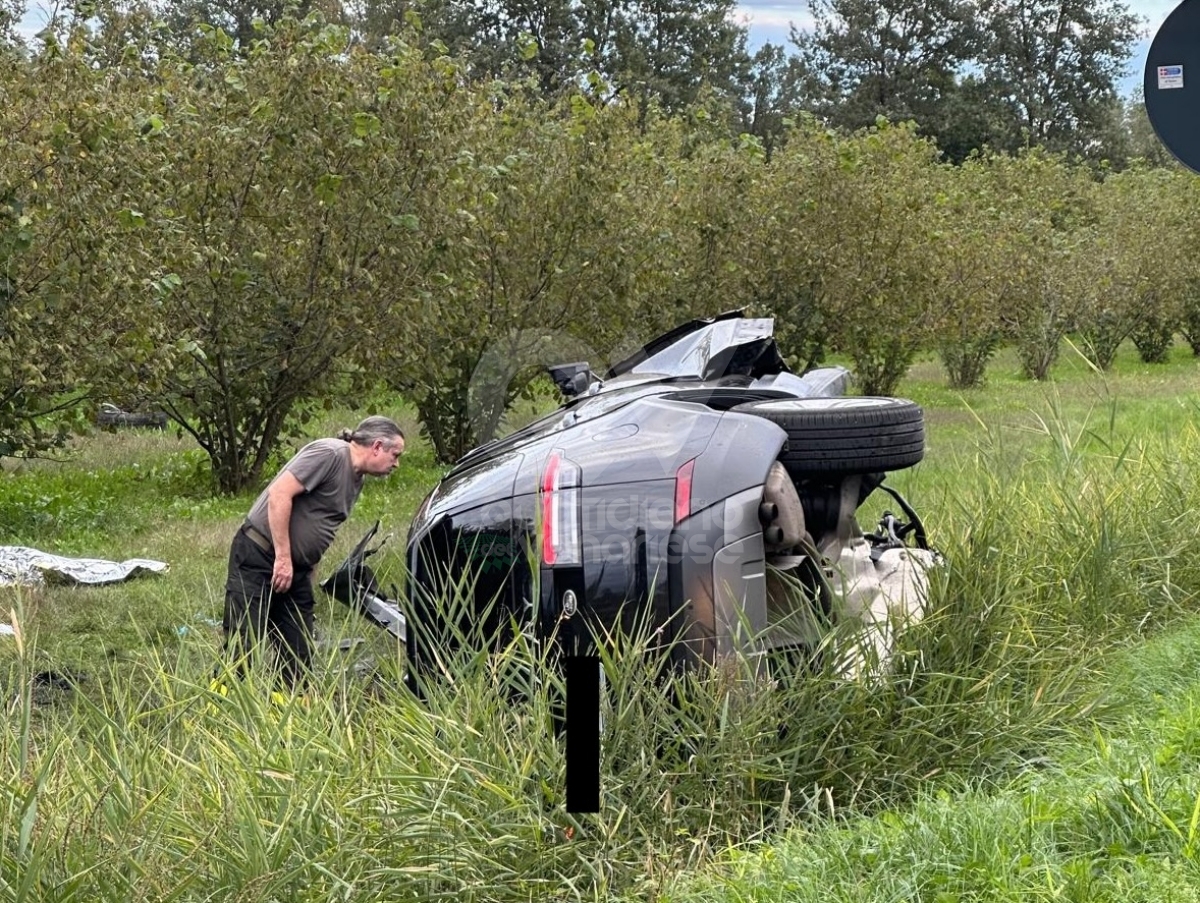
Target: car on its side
[[698, 486]]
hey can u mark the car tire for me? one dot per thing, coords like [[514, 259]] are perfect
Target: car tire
[[861, 434]]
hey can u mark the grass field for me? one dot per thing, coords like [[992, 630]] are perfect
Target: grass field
[[1038, 740]]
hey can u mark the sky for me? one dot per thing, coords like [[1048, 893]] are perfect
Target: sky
[[770, 20]]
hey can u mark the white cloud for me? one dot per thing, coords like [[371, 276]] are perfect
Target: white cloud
[[775, 15]]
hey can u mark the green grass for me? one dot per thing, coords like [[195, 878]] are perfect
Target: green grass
[[1132, 399], [1110, 813], [1035, 741]]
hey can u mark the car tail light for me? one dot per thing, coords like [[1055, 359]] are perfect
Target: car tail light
[[560, 511], [683, 491]]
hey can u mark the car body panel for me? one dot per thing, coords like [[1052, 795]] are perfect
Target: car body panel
[[663, 501]]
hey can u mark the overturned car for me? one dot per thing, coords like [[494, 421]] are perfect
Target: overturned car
[[698, 486]]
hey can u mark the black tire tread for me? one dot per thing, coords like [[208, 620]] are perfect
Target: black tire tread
[[874, 435]]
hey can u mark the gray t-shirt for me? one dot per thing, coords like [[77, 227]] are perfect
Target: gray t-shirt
[[331, 487]]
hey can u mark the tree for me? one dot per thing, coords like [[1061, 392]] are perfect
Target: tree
[[11, 14], [665, 51], [501, 39], [525, 241], [970, 119], [1188, 196], [1135, 258], [980, 259], [870, 245], [783, 241], [771, 95], [30, 357], [1143, 142], [242, 20], [1004, 74], [1055, 64], [669, 50], [1050, 205], [898, 59], [279, 203], [72, 323]]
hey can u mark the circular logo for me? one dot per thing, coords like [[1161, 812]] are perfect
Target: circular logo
[[570, 604]]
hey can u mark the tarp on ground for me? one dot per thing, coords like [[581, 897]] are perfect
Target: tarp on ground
[[23, 566]]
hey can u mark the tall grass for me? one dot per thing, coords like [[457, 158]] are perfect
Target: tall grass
[[1063, 542], [1114, 817]]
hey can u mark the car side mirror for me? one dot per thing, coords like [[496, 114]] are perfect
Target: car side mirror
[[571, 379]]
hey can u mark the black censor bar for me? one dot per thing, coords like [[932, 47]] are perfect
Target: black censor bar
[[583, 733]]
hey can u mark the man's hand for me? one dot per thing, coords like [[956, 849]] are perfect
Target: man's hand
[[281, 574]]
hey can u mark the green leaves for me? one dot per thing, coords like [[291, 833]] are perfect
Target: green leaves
[[366, 125], [410, 222], [973, 75], [306, 213], [130, 218], [327, 187], [151, 126], [527, 46]]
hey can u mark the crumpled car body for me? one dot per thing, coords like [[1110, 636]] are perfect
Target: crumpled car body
[[698, 487]]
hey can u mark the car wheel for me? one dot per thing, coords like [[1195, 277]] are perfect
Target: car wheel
[[845, 435]]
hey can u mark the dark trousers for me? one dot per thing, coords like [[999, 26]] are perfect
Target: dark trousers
[[254, 611]]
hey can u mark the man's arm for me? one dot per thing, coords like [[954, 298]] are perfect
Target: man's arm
[[279, 518]]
